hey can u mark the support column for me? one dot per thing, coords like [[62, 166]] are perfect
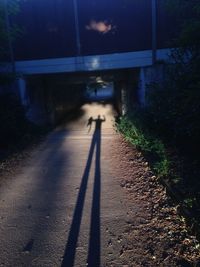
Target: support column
[[124, 95], [154, 31], [142, 88], [23, 91], [149, 76], [9, 38]]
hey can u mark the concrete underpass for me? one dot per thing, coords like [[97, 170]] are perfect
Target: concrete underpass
[[48, 98], [83, 196]]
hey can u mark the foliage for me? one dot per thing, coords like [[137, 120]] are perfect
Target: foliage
[[3, 32], [9, 32], [174, 106], [8, 8], [173, 112], [133, 127]]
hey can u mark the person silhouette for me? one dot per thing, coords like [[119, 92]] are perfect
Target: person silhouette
[[98, 122], [95, 91], [94, 241]]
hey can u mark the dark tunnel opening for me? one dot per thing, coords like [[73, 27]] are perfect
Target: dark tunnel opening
[[51, 98]]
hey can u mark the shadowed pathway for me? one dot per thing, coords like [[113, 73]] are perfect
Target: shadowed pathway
[[87, 198], [62, 207]]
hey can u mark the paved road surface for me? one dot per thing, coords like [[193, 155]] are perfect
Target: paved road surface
[[66, 207]]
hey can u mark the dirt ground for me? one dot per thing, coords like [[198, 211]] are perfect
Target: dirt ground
[[157, 235]]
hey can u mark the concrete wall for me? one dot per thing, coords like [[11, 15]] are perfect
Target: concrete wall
[[126, 91], [132, 90], [46, 100], [90, 63], [147, 77]]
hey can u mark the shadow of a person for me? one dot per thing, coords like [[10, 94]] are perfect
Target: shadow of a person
[[94, 245], [89, 124], [95, 91], [98, 122]]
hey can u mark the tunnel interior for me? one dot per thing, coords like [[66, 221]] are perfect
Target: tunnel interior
[[49, 98]]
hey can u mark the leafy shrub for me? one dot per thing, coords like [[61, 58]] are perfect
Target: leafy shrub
[[134, 129], [174, 108]]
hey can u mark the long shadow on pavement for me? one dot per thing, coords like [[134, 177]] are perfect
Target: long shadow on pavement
[[93, 258]]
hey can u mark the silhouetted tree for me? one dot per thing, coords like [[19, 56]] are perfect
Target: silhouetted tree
[[174, 106], [8, 33]]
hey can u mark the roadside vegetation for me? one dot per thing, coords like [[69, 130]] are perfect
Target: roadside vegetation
[[134, 128], [167, 130]]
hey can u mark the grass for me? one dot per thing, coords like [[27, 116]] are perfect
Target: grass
[[152, 148]]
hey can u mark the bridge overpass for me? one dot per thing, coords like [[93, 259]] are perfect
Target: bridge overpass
[[76, 35], [90, 36]]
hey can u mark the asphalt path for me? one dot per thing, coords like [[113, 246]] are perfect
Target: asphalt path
[[65, 206]]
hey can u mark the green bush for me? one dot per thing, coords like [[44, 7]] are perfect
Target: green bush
[[174, 109], [135, 130]]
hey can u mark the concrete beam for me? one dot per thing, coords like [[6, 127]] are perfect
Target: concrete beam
[[86, 63]]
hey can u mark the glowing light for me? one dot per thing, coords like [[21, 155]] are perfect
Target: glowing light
[[100, 26], [95, 63]]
